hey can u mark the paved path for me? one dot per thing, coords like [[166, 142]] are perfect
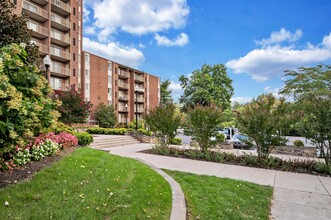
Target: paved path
[[296, 196]]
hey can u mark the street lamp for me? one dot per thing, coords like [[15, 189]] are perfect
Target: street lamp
[[47, 62], [126, 115], [136, 109]]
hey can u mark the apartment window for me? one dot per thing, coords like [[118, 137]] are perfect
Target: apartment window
[[74, 57], [109, 103], [74, 72], [74, 41], [87, 74], [15, 2], [74, 12], [87, 58], [74, 26], [109, 79], [109, 67], [87, 87]]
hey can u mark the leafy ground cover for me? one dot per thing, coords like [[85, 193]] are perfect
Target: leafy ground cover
[[209, 197], [89, 184]]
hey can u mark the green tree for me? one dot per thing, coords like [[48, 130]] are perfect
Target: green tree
[[13, 29], [105, 115], [207, 86], [165, 92], [264, 120], [203, 122], [164, 121], [73, 109], [25, 106], [311, 89]]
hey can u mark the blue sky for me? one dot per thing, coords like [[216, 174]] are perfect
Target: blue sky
[[257, 40]]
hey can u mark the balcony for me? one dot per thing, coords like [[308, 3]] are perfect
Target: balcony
[[123, 120], [140, 99], [123, 74], [60, 39], [60, 55], [123, 98], [60, 86], [139, 78], [139, 89], [41, 2], [60, 7], [122, 109], [38, 31], [60, 23], [43, 49], [35, 12], [60, 71], [140, 110], [123, 85]]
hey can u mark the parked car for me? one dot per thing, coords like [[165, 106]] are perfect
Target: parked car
[[241, 141]]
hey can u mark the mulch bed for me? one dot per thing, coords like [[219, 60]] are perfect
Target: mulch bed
[[27, 171]]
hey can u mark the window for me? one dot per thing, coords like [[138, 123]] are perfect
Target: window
[[74, 41], [87, 74], [74, 12], [109, 79], [74, 26], [87, 58], [87, 87], [74, 57], [74, 72], [15, 2]]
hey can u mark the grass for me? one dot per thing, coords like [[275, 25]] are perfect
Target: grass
[[209, 197], [89, 184]]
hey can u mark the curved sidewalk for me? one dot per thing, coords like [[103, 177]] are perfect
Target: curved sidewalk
[[296, 196]]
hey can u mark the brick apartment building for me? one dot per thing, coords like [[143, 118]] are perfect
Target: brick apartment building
[[57, 29], [130, 91]]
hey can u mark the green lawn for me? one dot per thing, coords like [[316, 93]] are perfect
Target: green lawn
[[209, 197], [89, 184]]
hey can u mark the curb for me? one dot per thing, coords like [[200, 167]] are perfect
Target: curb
[[178, 210]]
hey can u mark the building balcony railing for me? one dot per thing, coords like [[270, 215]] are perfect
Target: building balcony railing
[[139, 89], [140, 99], [61, 37], [123, 74], [61, 7], [35, 11], [60, 23], [60, 54], [139, 78], [123, 120], [123, 97], [139, 110], [38, 31], [59, 86], [43, 49], [123, 85], [59, 70], [122, 108]]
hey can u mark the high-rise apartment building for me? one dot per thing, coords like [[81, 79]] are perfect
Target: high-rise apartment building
[[57, 30], [130, 91]]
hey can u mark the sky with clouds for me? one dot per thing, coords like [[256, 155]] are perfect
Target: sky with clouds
[[257, 40]]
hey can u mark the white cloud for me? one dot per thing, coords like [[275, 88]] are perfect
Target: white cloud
[[176, 90], [265, 63], [86, 13], [140, 17], [114, 51], [241, 100], [89, 30], [181, 40], [141, 45], [281, 36]]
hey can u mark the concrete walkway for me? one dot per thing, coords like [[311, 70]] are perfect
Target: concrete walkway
[[296, 196]]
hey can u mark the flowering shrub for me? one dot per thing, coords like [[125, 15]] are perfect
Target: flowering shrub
[[22, 157], [64, 139], [6, 165], [47, 148]]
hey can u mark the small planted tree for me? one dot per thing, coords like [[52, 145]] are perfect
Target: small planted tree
[[73, 109], [203, 122], [263, 120], [164, 122], [105, 115]]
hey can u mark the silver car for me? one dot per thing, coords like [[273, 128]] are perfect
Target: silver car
[[240, 141]]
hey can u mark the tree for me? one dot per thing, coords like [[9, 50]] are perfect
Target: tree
[[13, 29], [25, 106], [165, 92], [105, 115], [203, 122], [311, 89], [207, 86], [164, 121], [264, 119], [73, 109]]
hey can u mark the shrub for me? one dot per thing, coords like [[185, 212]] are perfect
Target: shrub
[[298, 143], [105, 115], [64, 139], [45, 149], [109, 131], [84, 138], [22, 157], [220, 137], [132, 124], [176, 141], [145, 132]]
